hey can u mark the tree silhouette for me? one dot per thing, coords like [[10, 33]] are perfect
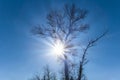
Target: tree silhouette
[[84, 60], [66, 26]]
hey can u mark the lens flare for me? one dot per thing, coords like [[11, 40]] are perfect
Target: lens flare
[[58, 48]]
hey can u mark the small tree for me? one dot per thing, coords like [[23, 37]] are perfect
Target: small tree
[[47, 73], [84, 59], [36, 77]]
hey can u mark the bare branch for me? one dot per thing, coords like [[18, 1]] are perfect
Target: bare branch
[[84, 59]]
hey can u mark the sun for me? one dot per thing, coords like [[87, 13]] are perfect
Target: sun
[[58, 48]]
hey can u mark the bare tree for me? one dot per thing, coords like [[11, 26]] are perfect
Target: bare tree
[[54, 76], [84, 60], [47, 73], [36, 77], [66, 25]]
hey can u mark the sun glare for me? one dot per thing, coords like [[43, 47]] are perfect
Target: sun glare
[[58, 48]]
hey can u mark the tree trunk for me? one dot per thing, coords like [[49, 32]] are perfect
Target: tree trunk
[[66, 69]]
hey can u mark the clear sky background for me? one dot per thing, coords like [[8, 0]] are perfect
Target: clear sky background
[[22, 55]]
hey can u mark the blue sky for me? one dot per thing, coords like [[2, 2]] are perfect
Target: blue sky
[[21, 54]]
